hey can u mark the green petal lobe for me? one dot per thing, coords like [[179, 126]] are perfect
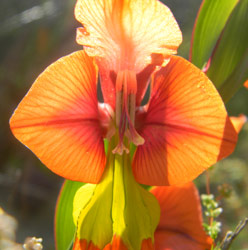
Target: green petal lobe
[[117, 206]]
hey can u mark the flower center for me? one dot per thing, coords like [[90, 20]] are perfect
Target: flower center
[[126, 89]]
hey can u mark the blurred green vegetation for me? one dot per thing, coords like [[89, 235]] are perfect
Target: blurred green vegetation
[[33, 34]]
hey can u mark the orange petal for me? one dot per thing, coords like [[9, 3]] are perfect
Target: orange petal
[[58, 119], [83, 245], [147, 244], [180, 218], [167, 240], [117, 244], [246, 84], [126, 33], [186, 127], [238, 122]]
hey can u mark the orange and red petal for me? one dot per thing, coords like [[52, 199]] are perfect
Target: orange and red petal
[[58, 119], [147, 244], [246, 84], [116, 244], [238, 122], [123, 35], [126, 32], [169, 240], [181, 214], [186, 127], [84, 245]]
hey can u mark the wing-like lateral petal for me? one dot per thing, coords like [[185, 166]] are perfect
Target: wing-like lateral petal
[[58, 119], [124, 34], [180, 225], [186, 127]]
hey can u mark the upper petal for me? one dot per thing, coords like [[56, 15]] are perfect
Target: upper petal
[[180, 218], [186, 127], [127, 32], [58, 119]]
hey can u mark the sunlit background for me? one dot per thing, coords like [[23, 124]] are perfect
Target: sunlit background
[[35, 33]]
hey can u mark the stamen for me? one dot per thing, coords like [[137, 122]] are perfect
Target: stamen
[[126, 88]]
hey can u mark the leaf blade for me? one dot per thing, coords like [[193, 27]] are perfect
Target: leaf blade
[[228, 68], [210, 21], [235, 80], [63, 215]]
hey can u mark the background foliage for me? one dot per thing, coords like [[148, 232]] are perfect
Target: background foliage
[[33, 34]]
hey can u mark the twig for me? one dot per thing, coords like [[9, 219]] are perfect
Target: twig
[[230, 236], [207, 182]]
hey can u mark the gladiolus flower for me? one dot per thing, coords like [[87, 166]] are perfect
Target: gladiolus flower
[[182, 130], [180, 225]]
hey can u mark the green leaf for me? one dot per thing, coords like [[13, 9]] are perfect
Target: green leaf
[[64, 226], [209, 24], [229, 67], [235, 80]]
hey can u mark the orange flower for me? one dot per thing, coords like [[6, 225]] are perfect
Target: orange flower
[[180, 225], [182, 130]]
